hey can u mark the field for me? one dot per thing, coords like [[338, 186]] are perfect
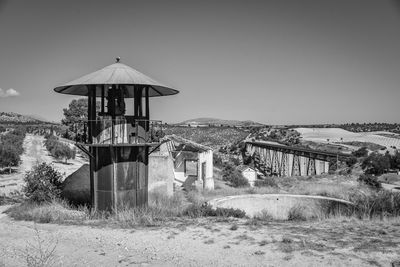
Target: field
[[214, 137], [337, 135]]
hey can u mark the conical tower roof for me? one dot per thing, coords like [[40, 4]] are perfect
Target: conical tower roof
[[115, 74]]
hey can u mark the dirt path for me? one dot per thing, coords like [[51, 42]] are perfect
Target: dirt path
[[206, 243], [34, 151]]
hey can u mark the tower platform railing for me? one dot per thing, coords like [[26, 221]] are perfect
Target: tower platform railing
[[123, 130]]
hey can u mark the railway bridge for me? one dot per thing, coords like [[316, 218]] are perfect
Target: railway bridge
[[282, 160]]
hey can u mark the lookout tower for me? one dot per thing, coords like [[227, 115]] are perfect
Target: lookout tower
[[118, 144]]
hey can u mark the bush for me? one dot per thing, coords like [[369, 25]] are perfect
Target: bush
[[237, 180], [61, 151], [267, 182], [362, 152], [11, 147], [234, 176], [376, 163], [58, 149], [298, 213], [42, 183], [217, 160], [380, 203], [351, 161], [9, 155], [370, 180], [206, 210]]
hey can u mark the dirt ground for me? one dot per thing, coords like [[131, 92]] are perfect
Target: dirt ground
[[205, 242], [34, 151], [183, 242]]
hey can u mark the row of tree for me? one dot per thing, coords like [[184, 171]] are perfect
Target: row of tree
[[11, 147], [57, 149]]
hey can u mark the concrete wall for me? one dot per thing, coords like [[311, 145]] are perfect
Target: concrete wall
[[250, 175], [207, 158], [161, 174], [280, 206]]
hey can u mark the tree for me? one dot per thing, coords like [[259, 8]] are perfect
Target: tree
[[370, 180], [61, 151], [76, 113], [350, 161], [395, 161], [11, 147], [362, 152], [9, 156], [376, 163], [58, 149]]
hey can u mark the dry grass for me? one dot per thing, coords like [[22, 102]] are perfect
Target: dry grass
[[161, 208], [369, 204], [56, 211], [337, 187]]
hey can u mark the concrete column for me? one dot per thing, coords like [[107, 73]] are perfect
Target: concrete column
[[303, 165], [268, 158], [279, 157], [290, 164], [326, 166], [318, 169]]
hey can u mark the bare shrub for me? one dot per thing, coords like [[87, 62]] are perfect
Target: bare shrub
[[40, 253], [264, 215], [301, 213]]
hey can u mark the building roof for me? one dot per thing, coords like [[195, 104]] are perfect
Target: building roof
[[115, 74], [244, 167], [182, 144]]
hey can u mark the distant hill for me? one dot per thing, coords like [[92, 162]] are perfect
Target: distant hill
[[40, 118], [12, 117], [218, 122]]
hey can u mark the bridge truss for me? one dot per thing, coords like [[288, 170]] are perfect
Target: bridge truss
[[281, 160]]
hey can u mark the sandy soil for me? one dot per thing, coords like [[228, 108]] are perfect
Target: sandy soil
[[34, 151], [206, 243]]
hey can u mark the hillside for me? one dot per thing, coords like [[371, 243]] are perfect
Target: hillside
[[214, 137], [15, 118], [219, 122]]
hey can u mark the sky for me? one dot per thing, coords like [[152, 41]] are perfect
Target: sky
[[274, 62]]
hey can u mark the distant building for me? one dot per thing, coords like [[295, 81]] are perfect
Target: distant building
[[249, 173], [192, 162]]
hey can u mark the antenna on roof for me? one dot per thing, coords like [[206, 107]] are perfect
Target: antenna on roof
[[117, 59]]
